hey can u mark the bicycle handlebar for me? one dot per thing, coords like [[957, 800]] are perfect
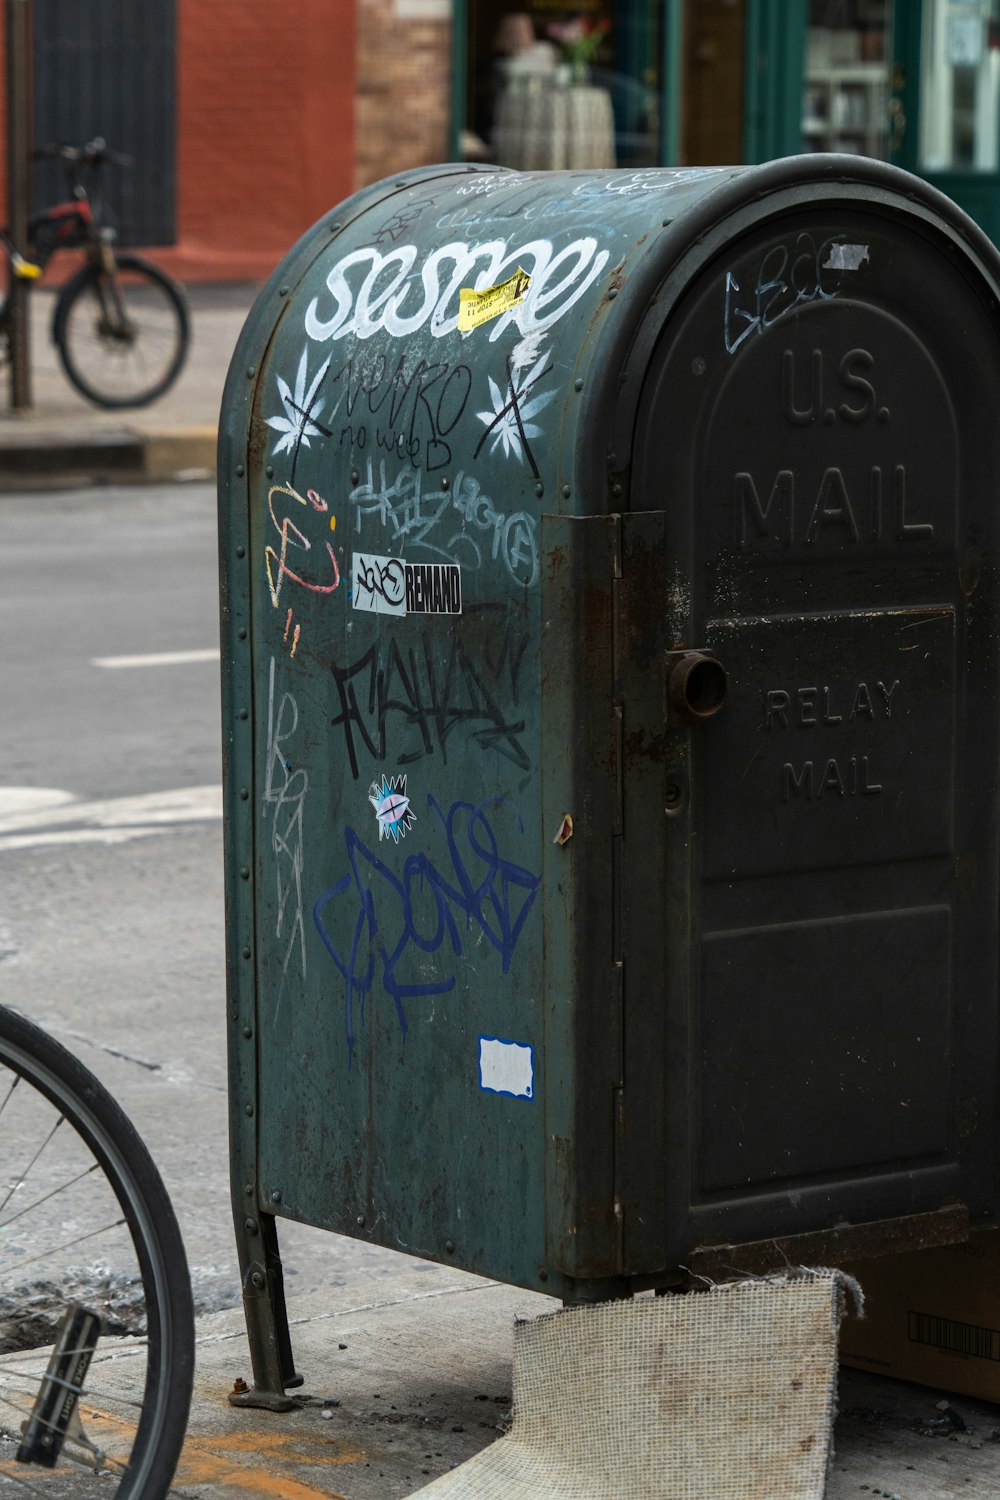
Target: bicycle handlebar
[[94, 154]]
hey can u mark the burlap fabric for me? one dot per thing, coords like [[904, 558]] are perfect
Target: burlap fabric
[[723, 1395]]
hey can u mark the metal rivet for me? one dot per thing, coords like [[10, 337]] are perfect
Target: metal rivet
[[240, 471], [250, 1225], [246, 952], [242, 632], [361, 1221], [241, 551], [616, 491], [269, 471], [251, 371], [248, 1111], [613, 292], [276, 1196], [244, 793], [249, 1190], [578, 385], [244, 713], [449, 1245], [258, 1280], [282, 291], [543, 1275], [248, 1032], [245, 872], [566, 491], [444, 484], [355, 476]]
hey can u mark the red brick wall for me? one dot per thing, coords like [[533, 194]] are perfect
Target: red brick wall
[[265, 138], [404, 89]]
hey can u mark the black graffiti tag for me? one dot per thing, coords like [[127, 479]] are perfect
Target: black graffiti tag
[[403, 704]]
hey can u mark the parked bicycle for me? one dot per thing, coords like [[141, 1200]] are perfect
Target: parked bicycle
[[120, 323], [94, 1268]]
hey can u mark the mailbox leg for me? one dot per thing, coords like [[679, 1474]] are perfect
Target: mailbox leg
[[267, 1322]]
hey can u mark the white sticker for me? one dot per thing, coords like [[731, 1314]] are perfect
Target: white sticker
[[846, 257], [390, 586], [506, 1067], [379, 584]]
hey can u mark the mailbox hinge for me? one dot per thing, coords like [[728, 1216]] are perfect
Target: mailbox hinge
[[617, 739], [618, 882]]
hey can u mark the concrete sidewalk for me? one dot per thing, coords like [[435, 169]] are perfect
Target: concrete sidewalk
[[407, 1376], [64, 440]]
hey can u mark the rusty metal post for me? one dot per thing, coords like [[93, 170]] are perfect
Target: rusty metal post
[[19, 133]]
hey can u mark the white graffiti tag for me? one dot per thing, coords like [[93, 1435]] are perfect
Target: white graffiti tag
[[427, 520], [285, 789], [391, 292]]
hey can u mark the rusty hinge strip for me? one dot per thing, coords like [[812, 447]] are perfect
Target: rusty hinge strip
[[832, 1247]]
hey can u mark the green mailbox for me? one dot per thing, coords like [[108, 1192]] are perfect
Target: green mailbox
[[610, 658]]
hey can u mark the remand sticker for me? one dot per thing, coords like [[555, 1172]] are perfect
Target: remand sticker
[[475, 308], [390, 586], [506, 1067]]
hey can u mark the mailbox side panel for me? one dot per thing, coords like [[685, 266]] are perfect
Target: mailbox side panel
[[432, 869]]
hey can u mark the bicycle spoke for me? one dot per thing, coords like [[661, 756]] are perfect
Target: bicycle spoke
[[62, 1188], [22, 1177]]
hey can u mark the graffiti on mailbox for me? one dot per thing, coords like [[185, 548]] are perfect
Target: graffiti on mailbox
[[510, 421], [393, 813], [409, 408], [788, 275], [403, 704], [286, 787], [319, 573], [392, 924], [303, 407], [399, 291], [461, 523]]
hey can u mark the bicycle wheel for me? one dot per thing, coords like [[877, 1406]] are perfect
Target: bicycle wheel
[[122, 338], [92, 1263]]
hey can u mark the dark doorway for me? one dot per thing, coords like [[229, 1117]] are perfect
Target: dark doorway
[[109, 69], [713, 82]]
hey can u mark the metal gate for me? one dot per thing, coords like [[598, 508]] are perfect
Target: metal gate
[[111, 72]]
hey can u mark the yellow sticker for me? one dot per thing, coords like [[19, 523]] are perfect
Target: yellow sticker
[[479, 307]]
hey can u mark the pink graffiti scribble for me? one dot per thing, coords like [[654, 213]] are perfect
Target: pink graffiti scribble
[[291, 535]]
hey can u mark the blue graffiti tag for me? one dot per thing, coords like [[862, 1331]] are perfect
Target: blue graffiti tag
[[432, 908]]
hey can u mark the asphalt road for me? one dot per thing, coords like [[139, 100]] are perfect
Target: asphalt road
[[111, 888]]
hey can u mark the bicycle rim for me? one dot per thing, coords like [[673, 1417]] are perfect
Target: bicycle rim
[[85, 1222], [123, 340]]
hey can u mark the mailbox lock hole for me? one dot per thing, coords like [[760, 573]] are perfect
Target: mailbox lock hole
[[697, 687]]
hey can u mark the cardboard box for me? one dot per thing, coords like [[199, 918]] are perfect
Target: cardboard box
[[932, 1316]]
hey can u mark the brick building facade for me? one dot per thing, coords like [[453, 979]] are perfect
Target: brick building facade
[[283, 109], [403, 114]]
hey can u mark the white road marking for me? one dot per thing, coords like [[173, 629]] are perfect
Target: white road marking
[[156, 659], [31, 817]]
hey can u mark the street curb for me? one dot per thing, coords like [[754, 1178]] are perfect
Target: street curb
[[47, 459]]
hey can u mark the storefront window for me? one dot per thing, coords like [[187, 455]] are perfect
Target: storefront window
[[960, 86], [564, 85], [847, 101]]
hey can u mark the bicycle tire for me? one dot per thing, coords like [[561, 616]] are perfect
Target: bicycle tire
[[141, 1423], [115, 366]]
